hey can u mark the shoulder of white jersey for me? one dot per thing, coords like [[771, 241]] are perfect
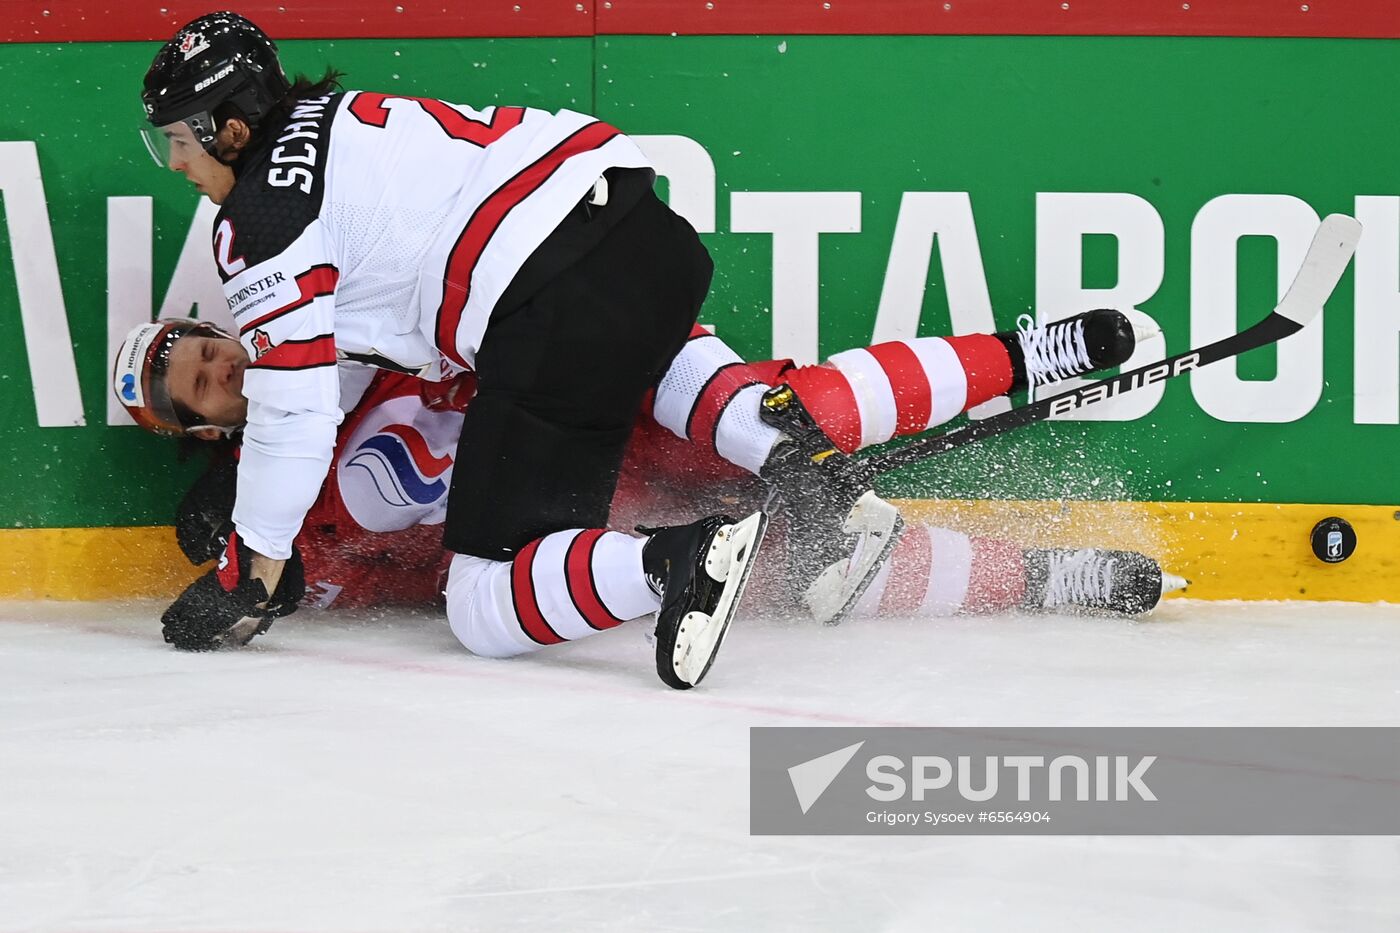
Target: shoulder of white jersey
[[280, 194]]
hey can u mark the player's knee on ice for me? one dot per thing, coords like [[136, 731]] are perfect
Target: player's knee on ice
[[475, 588]]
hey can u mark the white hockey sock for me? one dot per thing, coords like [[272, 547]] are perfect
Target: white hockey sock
[[710, 396], [562, 587]]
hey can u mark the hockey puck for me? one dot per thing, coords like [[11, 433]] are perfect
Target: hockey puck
[[1333, 540]]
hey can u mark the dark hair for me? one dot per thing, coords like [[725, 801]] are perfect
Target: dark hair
[[188, 417], [303, 88], [281, 112]]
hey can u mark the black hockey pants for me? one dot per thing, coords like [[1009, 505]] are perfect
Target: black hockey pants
[[563, 369]]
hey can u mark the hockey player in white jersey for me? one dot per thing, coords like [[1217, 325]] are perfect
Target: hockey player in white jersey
[[430, 238]]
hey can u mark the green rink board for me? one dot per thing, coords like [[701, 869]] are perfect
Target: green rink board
[[84, 111], [1174, 121]]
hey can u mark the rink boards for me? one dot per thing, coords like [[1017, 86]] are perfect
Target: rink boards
[[860, 172], [1255, 551]]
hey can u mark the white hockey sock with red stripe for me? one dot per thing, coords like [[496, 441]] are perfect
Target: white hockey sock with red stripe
[[710, 396], [562, 587]]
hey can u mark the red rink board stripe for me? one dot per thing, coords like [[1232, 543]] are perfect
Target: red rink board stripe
[[146, 20], [1365, 19]]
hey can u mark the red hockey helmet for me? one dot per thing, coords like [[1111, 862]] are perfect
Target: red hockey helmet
[[138, 375]]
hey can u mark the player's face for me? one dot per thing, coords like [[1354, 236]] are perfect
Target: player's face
[[206, 376], [187, 156]]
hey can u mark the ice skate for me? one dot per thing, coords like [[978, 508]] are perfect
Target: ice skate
[[1048, 353], [1095, 581], [839, 530], [700, 571]]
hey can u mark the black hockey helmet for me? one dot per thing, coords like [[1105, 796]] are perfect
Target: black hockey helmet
[[216, 59]]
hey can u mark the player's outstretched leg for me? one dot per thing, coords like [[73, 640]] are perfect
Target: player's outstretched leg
[[839, 530], [1094, 580], [901, 388], [699, 571], [935, 572]]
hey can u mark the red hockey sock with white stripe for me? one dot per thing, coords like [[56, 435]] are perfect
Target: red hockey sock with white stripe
[[860, 397], [867, 396], [938, 572], [562, 587]]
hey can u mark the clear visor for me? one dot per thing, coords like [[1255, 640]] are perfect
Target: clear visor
[[175, 144], [161, 408]]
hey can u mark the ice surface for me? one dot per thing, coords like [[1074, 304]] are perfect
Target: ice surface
[[368, 775]]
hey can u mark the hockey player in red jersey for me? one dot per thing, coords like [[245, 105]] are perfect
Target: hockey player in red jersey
[[372, 536], [433, 239]]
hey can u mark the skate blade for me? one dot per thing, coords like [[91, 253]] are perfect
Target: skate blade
[[1171, 583], [1143, 328], [700, 634], [837, 588]]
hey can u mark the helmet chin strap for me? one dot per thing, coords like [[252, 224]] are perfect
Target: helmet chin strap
[[230, 155], [223, 429]]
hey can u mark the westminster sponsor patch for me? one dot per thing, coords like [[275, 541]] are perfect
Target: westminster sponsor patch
[[250, 293]]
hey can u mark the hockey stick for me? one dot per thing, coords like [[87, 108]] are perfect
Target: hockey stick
[[1326, 259]]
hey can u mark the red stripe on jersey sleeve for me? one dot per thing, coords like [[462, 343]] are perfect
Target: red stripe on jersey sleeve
[[583, 586], [522, 594], [299, 354], [314, 283], [913, 399], [472, 242]]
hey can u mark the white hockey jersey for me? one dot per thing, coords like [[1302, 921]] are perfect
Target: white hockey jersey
[[379, 229]]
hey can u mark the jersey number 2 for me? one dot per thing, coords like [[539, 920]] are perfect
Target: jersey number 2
[[369, 108]]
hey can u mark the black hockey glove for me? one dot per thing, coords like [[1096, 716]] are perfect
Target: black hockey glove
[[204, 518], [221, 607]]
